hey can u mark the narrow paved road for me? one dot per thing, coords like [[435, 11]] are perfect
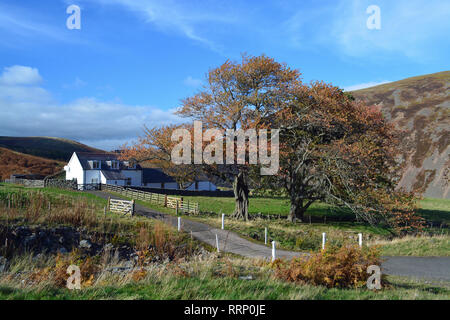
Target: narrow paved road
[[417, 267]]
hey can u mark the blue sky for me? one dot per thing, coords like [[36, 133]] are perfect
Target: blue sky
[[133, 60]]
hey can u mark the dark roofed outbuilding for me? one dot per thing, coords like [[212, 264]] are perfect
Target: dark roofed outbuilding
[[152, 175]]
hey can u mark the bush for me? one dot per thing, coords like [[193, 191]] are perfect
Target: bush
[[345, 267]]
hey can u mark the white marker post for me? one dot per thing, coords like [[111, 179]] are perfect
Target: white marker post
[[274, 253], [265, 235], [324, 240], [217, 243], [179, 223], [360, 239], [223, 221]]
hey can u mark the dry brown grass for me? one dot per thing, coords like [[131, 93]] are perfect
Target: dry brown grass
[[345, 267]]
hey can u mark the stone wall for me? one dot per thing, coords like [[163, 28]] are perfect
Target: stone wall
[[30, 183], [61, 184]]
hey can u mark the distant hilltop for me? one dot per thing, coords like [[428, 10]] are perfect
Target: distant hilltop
[[45, 147], [421, 107], [36, 155]]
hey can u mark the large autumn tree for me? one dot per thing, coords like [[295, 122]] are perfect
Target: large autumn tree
[[340, 151], [237, 95]]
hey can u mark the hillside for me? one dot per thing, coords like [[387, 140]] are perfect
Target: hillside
[[15, 162], [45, 147], [421, 107]]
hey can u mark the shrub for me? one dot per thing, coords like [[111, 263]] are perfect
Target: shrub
[[88, 268], [345, 267]]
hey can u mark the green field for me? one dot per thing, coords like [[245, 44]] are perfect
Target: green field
[[433, 210], [339, 226], [229, 288], [218, 276]]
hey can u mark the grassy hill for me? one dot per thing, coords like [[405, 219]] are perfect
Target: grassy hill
[[45, 147], [16, 162], [421, 107]]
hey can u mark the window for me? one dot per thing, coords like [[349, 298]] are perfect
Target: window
[[162, 185], [114, 164], [128, 181], [196, 185], [95, 164]]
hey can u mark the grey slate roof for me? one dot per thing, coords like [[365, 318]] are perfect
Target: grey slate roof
[[113, 175], [155, 175], [85, 157]]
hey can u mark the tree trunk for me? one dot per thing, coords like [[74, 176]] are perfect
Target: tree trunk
[[241, 191], [297, 210]]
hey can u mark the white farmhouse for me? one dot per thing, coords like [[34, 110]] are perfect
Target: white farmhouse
[[106, 168]]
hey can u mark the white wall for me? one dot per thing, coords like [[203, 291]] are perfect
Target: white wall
[[116, 182], [171, 185], [74, 170], [167, 185], [93, 174], [153, 185], [135, 175]]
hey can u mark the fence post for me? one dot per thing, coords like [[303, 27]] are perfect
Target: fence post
[[265, 236], [165, 200], [176, 208], [223, 221], [109, 200], [104, 211], [360, 239], [217, 242], [274, 254], [324, 240], [179, 224], [132, 207]]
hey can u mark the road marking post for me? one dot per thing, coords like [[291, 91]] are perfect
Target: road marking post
[[223, 221], [274, 253], [360, 239], [324, 240], [265, 235], [179, 223], [217, 243]]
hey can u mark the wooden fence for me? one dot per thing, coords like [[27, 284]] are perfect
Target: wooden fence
[[121, 206], [185, 206]]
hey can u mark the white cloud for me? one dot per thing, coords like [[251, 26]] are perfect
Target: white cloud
[[192, 82], [20, 75], [76, 84], [364, 85], [411, 28], [189, 18], [30, 110]]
